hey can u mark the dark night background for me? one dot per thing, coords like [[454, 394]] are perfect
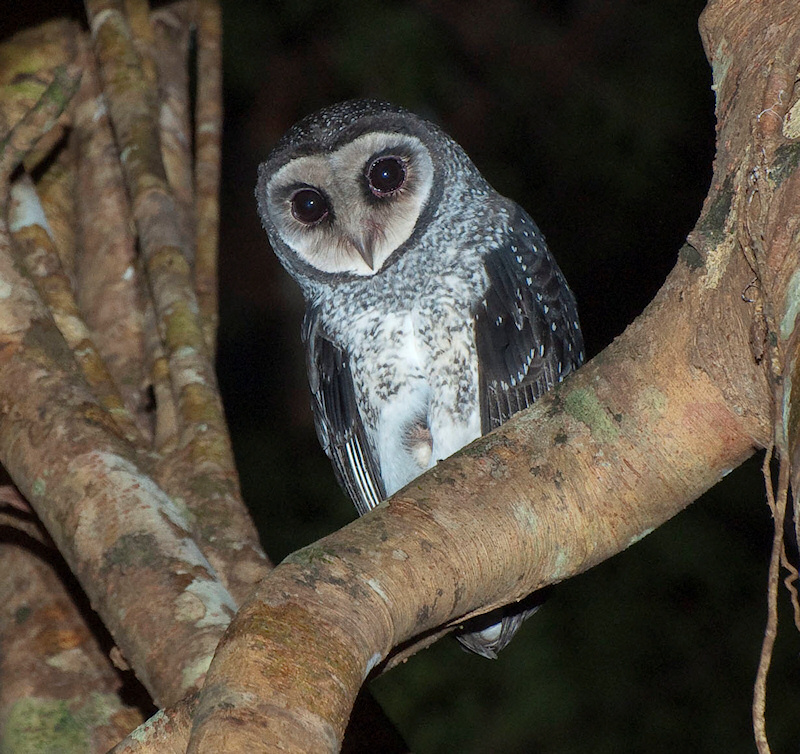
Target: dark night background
[[598, 118]]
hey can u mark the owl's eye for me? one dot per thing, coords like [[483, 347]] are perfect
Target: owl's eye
[[386, 175], [309, 206]]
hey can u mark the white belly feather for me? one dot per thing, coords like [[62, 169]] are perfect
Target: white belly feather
[[418, 388]]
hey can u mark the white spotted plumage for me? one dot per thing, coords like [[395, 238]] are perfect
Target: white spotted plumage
[[435, 310]]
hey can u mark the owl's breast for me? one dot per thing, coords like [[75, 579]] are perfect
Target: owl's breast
[[415, 376]]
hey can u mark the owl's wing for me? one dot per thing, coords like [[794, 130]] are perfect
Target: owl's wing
[[526, 327], [337, 420]]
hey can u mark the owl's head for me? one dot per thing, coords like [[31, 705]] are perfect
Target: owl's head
[[347, 187]]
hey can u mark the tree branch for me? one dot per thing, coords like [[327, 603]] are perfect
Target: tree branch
[[43, 696], [202, 464], [135, 494], [637, 434]]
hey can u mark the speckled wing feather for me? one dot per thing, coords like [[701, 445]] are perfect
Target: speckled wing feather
[[526, 328], [528, 339], [337, 420]]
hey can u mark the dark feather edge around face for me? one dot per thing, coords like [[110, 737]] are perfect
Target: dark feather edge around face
[[325, 131]]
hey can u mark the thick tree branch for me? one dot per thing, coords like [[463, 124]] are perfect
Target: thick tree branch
[[108, 281], [44, 704], [202, 464], [764, 194], [659, 417], [136, 494], [631, 439], [35, 246]]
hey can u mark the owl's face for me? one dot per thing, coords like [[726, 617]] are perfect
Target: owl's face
[[346, 209]]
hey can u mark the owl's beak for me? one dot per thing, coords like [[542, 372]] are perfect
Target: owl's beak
[[364, 248]]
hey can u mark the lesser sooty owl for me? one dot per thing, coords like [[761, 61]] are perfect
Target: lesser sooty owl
[[434, 309]]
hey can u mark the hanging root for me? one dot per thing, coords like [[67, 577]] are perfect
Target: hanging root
[[777, 503]]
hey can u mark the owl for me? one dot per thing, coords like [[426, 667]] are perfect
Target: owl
[[435, 310]]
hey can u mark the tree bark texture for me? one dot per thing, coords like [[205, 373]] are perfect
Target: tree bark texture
[[682, 397], [111, 424], [112, 429], [54, 673], [78, 438]]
